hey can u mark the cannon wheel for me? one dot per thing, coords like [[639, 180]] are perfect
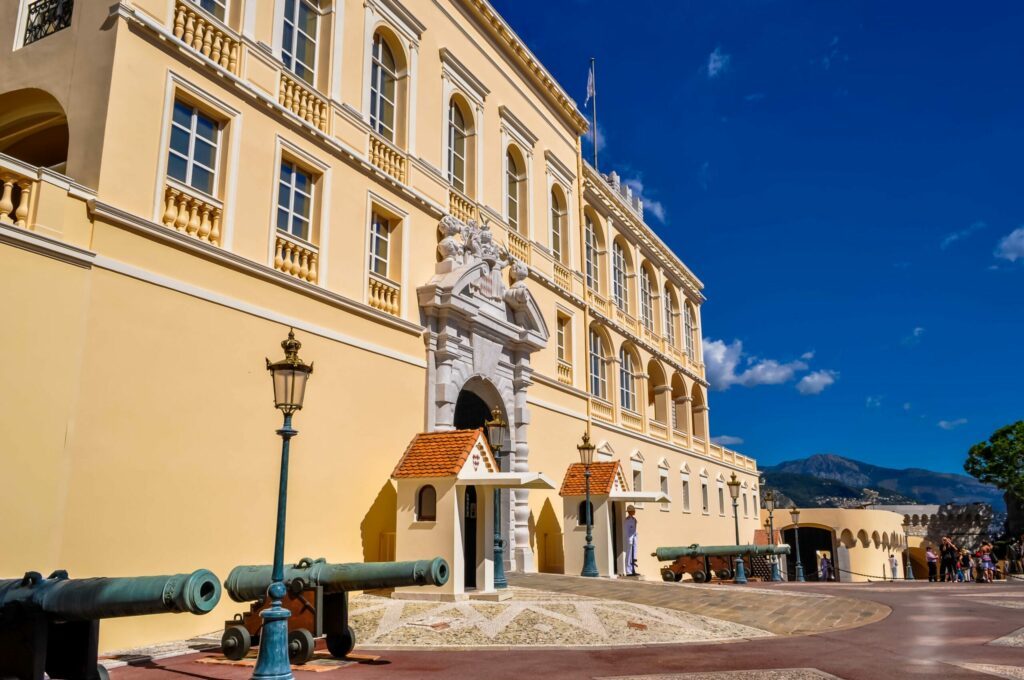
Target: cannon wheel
[[724, 574], [235, 643], [667, 575], [699, 576], [300, 646], [340, 644]]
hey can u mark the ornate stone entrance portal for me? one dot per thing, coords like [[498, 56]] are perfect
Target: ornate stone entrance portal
[[480, 335]]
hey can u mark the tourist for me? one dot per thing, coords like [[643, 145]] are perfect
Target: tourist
[[631, 541], [949, 553], [963, 566], [894, 565], [932, 559], [986, 561], [826, 568]]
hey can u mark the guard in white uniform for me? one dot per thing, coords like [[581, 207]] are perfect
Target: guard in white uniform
[[631, 541]]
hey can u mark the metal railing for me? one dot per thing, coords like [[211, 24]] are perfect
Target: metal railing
[[46, 17]]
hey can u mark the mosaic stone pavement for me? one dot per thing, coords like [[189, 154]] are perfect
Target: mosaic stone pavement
[[1009, 672], [531, 618], [767, 674], [1014, 639]]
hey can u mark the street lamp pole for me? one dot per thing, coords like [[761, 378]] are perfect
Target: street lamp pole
[[586, 450], [289, 377], [769, 504], [734, 491], [495, 436], [908, 571], [794, 513]]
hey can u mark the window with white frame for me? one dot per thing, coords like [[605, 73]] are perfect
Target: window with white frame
[[558, 214], [217, 8], [590, 250], [383, 89], [721, 499], [745, 510], [646, 300], [598, 369], [512, 179], [619, 291], [562, 337], [663, 479], [298, 44], [627, 387], [192, 156], [686, 492], [638, 478], [380, 244], [689, 332], [705, 504], [457, 134], [295, 201], [670, 317]]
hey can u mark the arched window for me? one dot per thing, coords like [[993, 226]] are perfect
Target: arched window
[[383, 89], [558, 215], [690, 333], [457, 135], [619, 290], [426, 504], [598, 370], [591, 249], [646, 300], [581, 517], [514, 179], [668, 304], [627, 387]]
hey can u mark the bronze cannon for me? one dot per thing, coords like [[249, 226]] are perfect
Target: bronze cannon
[[51, 624], [317, 599], [709, 561]]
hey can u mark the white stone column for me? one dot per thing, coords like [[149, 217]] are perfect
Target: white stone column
[[523, 553]]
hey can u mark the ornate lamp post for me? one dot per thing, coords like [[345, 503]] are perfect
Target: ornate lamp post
[[496, 437], [769, 505], [794, 513], [289, 377], [734, 491], [586, 450]]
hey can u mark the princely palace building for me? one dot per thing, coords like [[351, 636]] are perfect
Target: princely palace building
[[401, 182]]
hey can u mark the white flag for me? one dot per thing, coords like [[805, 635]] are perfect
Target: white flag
[[590, 85]]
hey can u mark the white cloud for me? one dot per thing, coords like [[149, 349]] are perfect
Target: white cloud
[[727, 440], [873, 402], [589, 137], [950, 239], [722, 362], [914, 338], [952, 424], [1011, 246], [656, 208], [807, 356], [816, 382], [718, 63]]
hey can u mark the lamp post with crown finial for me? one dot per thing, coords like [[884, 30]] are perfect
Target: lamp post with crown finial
[[769, 505], [586, 450], [794, 514], [495, 437], [289, 377], [734, 491]]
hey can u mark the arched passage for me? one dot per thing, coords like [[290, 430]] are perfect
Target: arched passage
[[815, 543], [699, 413], [34, 129], [658, 392]]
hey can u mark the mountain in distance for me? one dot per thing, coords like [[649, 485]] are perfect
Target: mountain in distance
[[808, 491], [924, 486]]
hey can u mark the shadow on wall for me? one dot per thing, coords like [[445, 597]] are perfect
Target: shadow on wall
[[378, 526], [548, 541]]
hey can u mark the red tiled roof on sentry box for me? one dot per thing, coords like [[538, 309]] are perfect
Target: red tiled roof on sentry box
[[437, 454], [602, 476]]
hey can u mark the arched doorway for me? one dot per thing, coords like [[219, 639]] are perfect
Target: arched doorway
[[471, 411], [34, 129], [815, 542]]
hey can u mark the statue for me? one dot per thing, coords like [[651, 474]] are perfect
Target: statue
[[450, 250], [517, 297]]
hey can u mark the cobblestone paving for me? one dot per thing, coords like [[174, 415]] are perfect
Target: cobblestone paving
[[1010, 672], [1014, 639], [772, 674], [531, 618], [776, 610]]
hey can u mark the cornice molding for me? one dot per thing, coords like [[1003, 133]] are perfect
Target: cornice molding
[[463, 76], [517, 127], [44, 245]]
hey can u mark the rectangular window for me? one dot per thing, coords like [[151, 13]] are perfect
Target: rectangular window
[[192, 157], [562, 337], [590, 250], [598, 376], [380, 241], [745, 512], [721, 501], [638, 480], [619, 278], [686, 494], [664, 489], [556, 230], [298, 49], [46, 17], [295, 201], [218, 8], [646, 301], [704, 498]]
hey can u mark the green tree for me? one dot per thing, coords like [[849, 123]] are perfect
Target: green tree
[[1000, 460]]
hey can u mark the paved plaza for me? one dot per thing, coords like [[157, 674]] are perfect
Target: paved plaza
[[602, 629]]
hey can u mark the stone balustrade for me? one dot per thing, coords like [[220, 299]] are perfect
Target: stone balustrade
[[296, 257], [651, 337], [626, 319], [519, 247], [602, 409], [384, 295], [304, 103], [15, 197], [187, 212], [564, 372], [597, 301], [563, 278], [657, 428], [632, 420], [461, 207], [201, 32], [387, 157], [679, 437]]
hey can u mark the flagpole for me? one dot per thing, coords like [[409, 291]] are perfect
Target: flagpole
[[594, 136]]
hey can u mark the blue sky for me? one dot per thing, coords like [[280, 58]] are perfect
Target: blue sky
[[847, 180]]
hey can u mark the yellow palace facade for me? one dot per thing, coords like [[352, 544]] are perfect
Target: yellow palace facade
[[402, 184]]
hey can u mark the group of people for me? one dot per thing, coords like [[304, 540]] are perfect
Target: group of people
[[958, 565]]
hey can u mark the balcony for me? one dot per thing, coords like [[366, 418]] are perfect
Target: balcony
[[15, 195], [678, 437], [626, 319], [564, 372], [632, 420], [46, 17], [600, 408], [460, 206], [657, 428], [597, 301], [519, 247], [650, 336], [388, 157], [192, 213], [206, 35], [298, 98], [563, 277], [384, 294], [296, 257]]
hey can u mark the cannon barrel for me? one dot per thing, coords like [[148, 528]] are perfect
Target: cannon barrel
[[248, 583], [674, 553], [107, 598]]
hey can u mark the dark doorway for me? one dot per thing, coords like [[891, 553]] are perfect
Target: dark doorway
[[469, 537], [616, 547], [471, 411], [812, 541]]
